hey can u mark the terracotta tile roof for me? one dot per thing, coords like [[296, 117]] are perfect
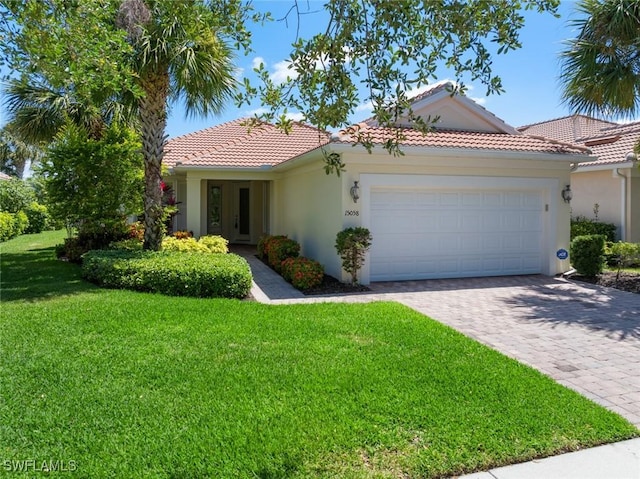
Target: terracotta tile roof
[[609, 142], [439, 138], [568, 129], [4, 176], [236, 145]]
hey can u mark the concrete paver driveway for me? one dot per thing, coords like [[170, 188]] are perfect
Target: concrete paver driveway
[[585, 337]]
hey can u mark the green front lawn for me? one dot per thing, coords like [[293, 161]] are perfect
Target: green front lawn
[[131, 385]]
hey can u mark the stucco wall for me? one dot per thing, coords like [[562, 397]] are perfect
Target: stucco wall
[[308, 208], [597, 187], [605, 188]]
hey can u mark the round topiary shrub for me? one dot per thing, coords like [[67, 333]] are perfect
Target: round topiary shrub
[[587, 254]]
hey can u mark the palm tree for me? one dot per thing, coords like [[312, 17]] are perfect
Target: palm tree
[[601, 66], [177, 54], [14, 152], [37, 111]]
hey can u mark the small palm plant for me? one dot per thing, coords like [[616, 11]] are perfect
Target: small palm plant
[[352, 244]]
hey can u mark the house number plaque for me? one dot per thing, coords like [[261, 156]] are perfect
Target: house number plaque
[[351, 213]]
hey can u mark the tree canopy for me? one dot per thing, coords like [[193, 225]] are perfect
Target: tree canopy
[[601, 66], [101, 57]]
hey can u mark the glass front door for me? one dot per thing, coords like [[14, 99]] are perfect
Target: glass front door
[[241, 212]]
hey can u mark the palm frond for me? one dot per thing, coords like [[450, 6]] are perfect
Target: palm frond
[[601, 66]]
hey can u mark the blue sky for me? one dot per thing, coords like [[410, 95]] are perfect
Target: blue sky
[[529, 75]]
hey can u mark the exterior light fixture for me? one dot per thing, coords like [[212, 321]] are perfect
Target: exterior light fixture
[[567, 194], [355, 192]]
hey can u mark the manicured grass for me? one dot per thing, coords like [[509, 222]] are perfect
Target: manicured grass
[[132, 385]]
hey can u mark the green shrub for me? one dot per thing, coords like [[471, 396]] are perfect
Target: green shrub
[[587, 254], [15, 195], [623, 254], [7, 226], [183, 245], [72, 250], [280, 249], [38, 216], [215, 243], [582, 226], [93, 236], [170, 272], [21, 223], [131, 244], [302, 273], [352, 245]]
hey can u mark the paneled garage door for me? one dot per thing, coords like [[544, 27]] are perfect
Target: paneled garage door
[[422, 234]]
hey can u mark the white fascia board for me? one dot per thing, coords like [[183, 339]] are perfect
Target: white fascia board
[[470, 153], [609, 166]]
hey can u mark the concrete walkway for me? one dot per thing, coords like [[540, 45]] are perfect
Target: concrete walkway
[[585, 337]]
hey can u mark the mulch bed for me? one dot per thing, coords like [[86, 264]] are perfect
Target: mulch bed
[[626, 282], [331, 285]]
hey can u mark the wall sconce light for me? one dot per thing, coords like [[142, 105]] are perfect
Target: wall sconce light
[[355, 192], [567, 194]]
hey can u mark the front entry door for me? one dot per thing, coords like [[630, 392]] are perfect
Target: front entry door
[[241, 212]]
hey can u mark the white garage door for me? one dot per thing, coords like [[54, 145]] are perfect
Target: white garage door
[[422, 234]]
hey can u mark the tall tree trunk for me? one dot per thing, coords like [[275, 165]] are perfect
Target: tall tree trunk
[[153, 118]]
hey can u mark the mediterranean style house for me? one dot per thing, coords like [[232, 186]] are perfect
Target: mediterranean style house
[[610, 185], [473, 197]]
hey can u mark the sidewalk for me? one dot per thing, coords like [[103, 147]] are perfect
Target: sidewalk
[[620, 460], [612, 461]]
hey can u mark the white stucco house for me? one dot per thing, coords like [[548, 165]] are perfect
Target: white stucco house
[[612, 181], [474, 197]]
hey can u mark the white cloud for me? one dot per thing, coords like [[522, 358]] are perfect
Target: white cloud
[[282, 71], [295, 116], [366, 107], [255, 63]]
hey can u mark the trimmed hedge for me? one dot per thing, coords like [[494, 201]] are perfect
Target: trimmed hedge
[[581, 226], [587, 254], [167, 272]]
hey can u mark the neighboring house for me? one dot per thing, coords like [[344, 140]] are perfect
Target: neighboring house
[[475, 197], [4, 176], [612, 181]]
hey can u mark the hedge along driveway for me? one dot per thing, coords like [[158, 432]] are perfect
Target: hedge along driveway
[[132, 384]]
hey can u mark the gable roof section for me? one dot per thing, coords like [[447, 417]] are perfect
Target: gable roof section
[[610, 142], [235, 144], [454, 111], [441, 138]]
